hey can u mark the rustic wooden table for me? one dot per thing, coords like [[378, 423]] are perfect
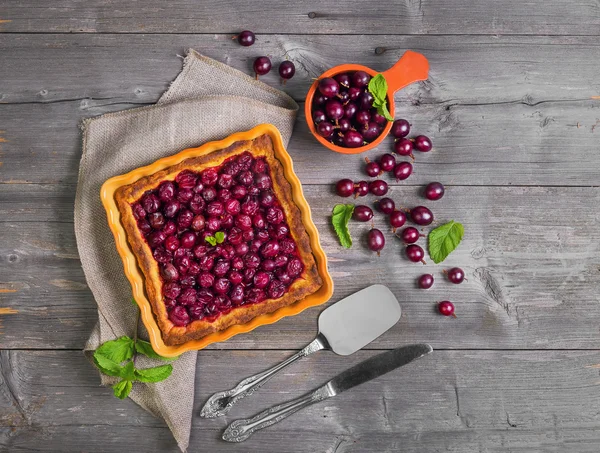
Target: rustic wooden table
[[509, 105]]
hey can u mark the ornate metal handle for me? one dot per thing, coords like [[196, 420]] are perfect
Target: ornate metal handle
[[221, 402], [240, 430]]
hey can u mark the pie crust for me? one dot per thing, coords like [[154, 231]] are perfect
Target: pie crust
[[307, 283]]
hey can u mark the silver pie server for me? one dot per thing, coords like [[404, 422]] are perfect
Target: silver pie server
[[372, 368], [344, 327]]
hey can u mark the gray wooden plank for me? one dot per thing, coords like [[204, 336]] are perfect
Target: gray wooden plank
[[138, 68], [530, 254], [513, 144], [123, 437], [541, 112], [276, 16], [468, 401]]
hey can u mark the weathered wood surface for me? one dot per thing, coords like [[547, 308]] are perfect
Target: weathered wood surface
[[514, 119], [138, 68], [516, 371], [532, 270], [467, 401], [511, 144], [581, 17]]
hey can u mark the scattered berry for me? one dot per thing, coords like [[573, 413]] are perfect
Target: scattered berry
[[434, 191], [421, 215], [397, 219], [386, 205], [425, 281], [262, 66], [400, 128], [378, 187], [362, 213], [245, 38], [410, 235], [403, 170], [344, 187], [455, 275], [403, 147], [446, 308], [373, 169], [387, 162], [422, 143], [361, 188], [287, 70], [415, 253], [376, 240]]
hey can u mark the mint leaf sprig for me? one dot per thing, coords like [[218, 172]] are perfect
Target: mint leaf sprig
[[378, 87], [109, 358], [340, 216], [444, 239], [218, 238]]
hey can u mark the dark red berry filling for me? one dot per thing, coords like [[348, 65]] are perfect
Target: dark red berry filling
[[257, 260]]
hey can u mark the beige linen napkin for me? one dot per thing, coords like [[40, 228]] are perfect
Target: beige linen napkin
[[207, 101]]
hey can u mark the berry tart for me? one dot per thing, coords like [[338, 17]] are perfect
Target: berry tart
[[219, 240]]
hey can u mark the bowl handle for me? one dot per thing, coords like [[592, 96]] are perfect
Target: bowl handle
[[410, 68]]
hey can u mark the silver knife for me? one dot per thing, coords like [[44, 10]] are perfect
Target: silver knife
[[372, 368], [345, 327]]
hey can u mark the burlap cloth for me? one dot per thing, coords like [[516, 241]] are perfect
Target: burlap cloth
[[207, 101]]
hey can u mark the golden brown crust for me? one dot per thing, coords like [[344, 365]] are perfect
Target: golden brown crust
[[308, 283]]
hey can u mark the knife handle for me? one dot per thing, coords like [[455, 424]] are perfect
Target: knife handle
[[221, 402], [240, 430]]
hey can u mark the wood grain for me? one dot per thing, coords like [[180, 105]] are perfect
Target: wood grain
[[532, 272], [512, 107], [138, 68], [511, 144], [579, 17], [508, 123], [451, 400]]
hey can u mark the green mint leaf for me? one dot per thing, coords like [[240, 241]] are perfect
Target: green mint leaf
[[382, 110], [378, 87], [128, 371], [220, 237], [444, 239], [134, 302], [145, 348], [340, 216], [121, 389], [211, 240], [117, 350], [106, 365], [156, 374]]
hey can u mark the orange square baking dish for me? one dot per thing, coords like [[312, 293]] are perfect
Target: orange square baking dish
[[217, 240]]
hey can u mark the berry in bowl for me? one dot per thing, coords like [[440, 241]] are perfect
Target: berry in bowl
[[350, 108]]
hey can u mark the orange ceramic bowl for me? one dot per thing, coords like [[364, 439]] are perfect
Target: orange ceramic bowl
[[411, 68], [136, 278]]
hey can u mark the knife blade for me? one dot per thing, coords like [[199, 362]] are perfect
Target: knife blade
[[377, 366], [365, 371]]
